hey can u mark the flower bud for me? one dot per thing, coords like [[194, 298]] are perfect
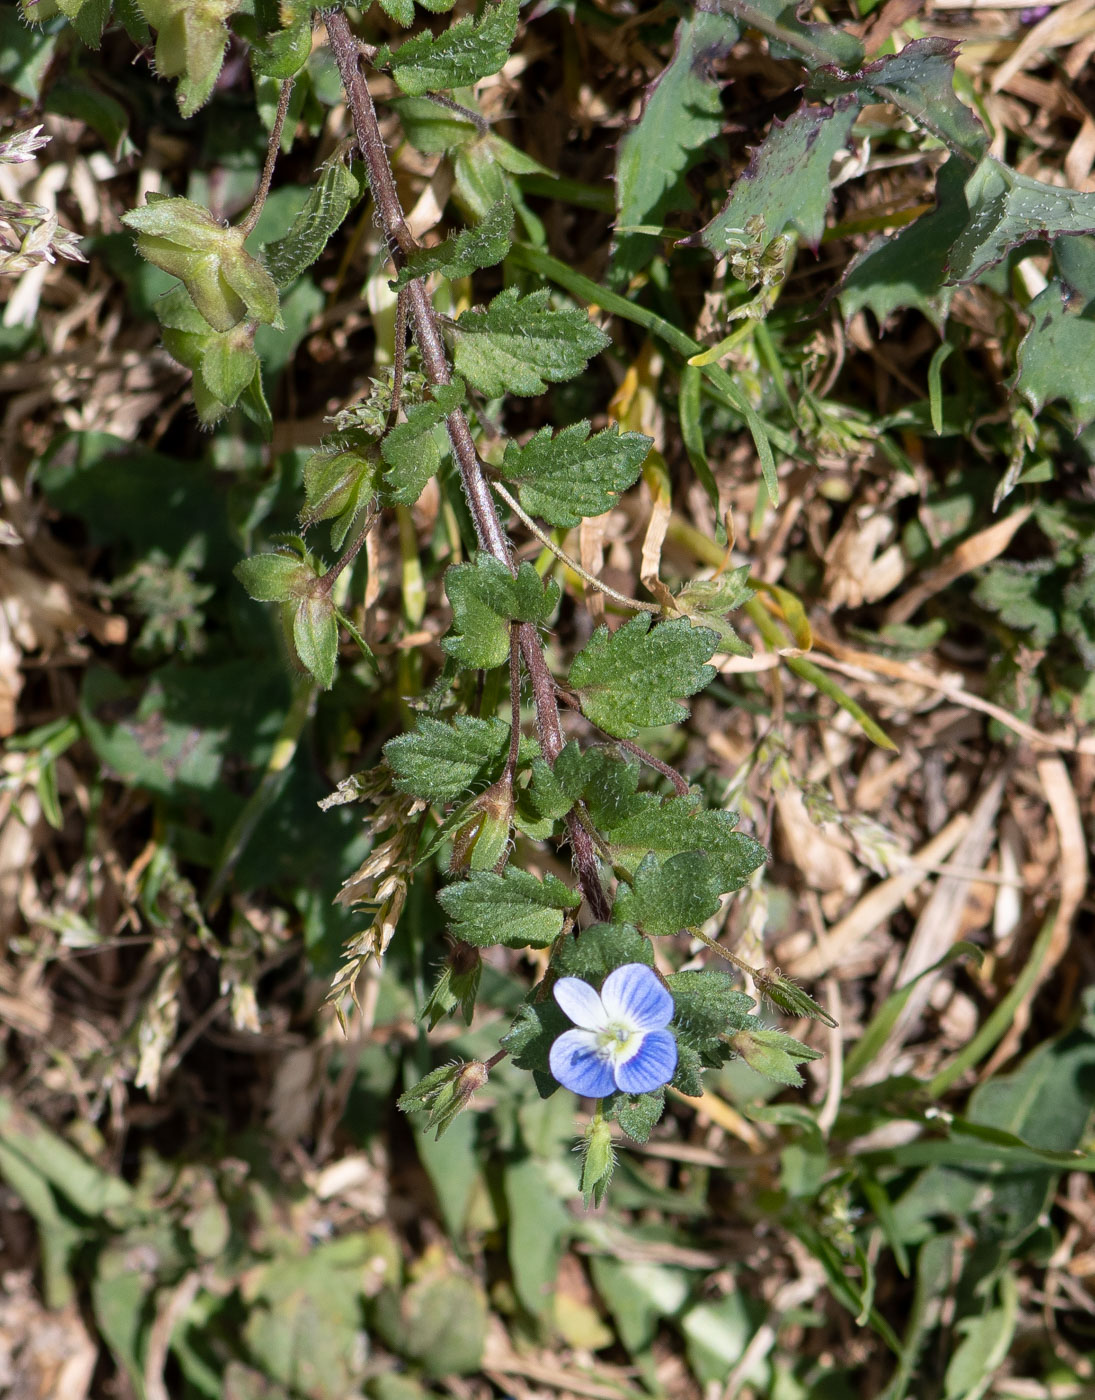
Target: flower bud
[[598, 1161], [482, 841]]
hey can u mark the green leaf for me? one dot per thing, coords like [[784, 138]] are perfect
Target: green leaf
[[986, 1342], [413, 450], [908, 269], [513, 909], [463, 253], [815, 45], [919, 81], [570, 476], [530, 1038], [87, 17], [682, 115], [669, 896], [282, 53], [786, 183], [304, 1317], [191, 37], [519, 345], [1057, 353], [1022, 595], [274, 578], [439, 1321], [442, 762], [315, 636], [431, 128], [539, 1226], [1007, 210], [229, 363], [638, 1116], [339, 188], [678, 824], [708, 1006], [628, 679], [772, 1053], [598, 1161], [465, 52], [592, 953], [485, 598], [705, 602]]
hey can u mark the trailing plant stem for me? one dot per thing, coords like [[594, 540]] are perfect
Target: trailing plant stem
[[431, 346]]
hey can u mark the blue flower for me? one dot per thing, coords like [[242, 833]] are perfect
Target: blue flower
[[621, 1041]]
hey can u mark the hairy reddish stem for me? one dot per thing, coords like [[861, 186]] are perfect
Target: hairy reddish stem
[[431, 346]]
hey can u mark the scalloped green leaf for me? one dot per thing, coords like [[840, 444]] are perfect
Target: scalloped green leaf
[[463, 253], [513, 909], [674, 825], [669, 896], [568, 476], [629, 679], [520, 344], [485, 598], [412, 451], [443, 762], [465, 52]]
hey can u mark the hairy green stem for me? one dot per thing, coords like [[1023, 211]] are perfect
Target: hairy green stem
[[431, 346]]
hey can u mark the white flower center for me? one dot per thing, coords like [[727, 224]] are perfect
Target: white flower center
[[618, 1042]]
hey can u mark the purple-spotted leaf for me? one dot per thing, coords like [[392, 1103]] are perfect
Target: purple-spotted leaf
[[920, 81], [786, 183], [1007, 210]]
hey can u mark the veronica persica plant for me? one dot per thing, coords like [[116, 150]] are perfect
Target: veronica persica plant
[[621, 1041]]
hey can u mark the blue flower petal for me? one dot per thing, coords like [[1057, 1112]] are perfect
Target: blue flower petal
[[580, 1002], [576, 1064], [652, 1067], [635, 996]]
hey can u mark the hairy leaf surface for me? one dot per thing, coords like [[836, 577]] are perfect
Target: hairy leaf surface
[[463, 253], [441, 762], [519, 345], [513, 909], [466, 52], [628, 679], [485, 599], [569, 476]]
